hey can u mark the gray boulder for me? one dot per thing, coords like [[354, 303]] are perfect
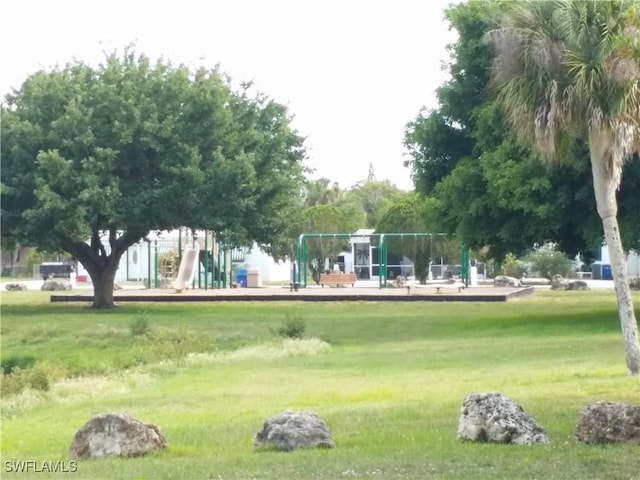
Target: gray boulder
[[559, 283], [506, 281], [291, 430], [607, 422], [578, 285], [15, 287], [115, 435], [55, 285], [634, 283], [400, 281], [495, 418]]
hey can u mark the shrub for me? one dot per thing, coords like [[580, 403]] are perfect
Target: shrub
[[513, 267], [12, 384], [35, 257], [547, 261], [20, 362], [38, 379], [140, 326], [291, 328]]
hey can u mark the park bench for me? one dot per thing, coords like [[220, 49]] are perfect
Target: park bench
[[337, 279], [438, 286], [458, 286]]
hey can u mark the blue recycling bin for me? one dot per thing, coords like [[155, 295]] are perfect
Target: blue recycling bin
[[606, 272], [241, 277]]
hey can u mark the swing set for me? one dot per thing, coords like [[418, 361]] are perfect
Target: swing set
[[379, 265]]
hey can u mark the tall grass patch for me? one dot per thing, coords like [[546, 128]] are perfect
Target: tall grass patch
[[388, 379]]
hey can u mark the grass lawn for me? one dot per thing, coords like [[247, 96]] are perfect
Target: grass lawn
[[388, 379]]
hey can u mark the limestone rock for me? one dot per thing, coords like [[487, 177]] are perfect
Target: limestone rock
[[291, 430], [607, 422], [578, 285], [115, 435], [15, 287], [559, 283], [495, 418], [400, 281], [506, 281], [55, 285]]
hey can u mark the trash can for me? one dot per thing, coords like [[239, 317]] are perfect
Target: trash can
[[253, 279], [241, 277], [596, 271], [606, 272]]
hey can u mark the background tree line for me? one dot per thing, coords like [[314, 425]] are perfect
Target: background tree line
[[486, 186]]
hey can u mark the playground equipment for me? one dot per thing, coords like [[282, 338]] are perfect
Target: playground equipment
[[188, 265], [375, 260], [213, 263]]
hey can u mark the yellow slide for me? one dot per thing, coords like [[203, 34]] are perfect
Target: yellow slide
[[188, 267]]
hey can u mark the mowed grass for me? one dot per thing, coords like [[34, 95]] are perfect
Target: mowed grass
[[388, 378]]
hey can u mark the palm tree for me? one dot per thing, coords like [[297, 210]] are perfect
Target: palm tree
[[567, 71], [322, 192]]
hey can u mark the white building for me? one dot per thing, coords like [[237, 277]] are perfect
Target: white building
[[633, 261]]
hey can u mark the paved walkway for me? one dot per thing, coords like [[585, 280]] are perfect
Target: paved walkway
[[363, 290], [36, 284]]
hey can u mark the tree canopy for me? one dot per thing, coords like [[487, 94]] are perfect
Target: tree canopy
[[492, 189], [132, 146]]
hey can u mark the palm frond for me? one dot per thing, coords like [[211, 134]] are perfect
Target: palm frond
[[559, 71]]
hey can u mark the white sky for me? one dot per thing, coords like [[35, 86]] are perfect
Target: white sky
[[352, 72]]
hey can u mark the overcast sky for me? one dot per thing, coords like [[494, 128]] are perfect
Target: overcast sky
[[352, 72]]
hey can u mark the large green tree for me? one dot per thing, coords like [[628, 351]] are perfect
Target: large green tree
[[567, 70], [132, 146], [322, 192], [375, 197], [414, 214], [324, 219], [491, 188]]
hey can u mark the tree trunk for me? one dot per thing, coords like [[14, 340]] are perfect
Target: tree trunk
[[103, 282], [605, 186], [99, 262]]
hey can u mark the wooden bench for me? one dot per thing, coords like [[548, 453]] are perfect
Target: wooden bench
[[457, 285], [337, 279]]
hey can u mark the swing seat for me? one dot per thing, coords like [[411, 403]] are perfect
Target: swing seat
[[337, 279]]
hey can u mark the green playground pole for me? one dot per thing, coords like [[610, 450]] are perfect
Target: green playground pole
[[206, 259], [219, 268], [149, 264], [382, 281], [193, 245], [386, 262], [299, 259], [226, 273], [464, 264], [155, 266], [306, 261], [213, 261]]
